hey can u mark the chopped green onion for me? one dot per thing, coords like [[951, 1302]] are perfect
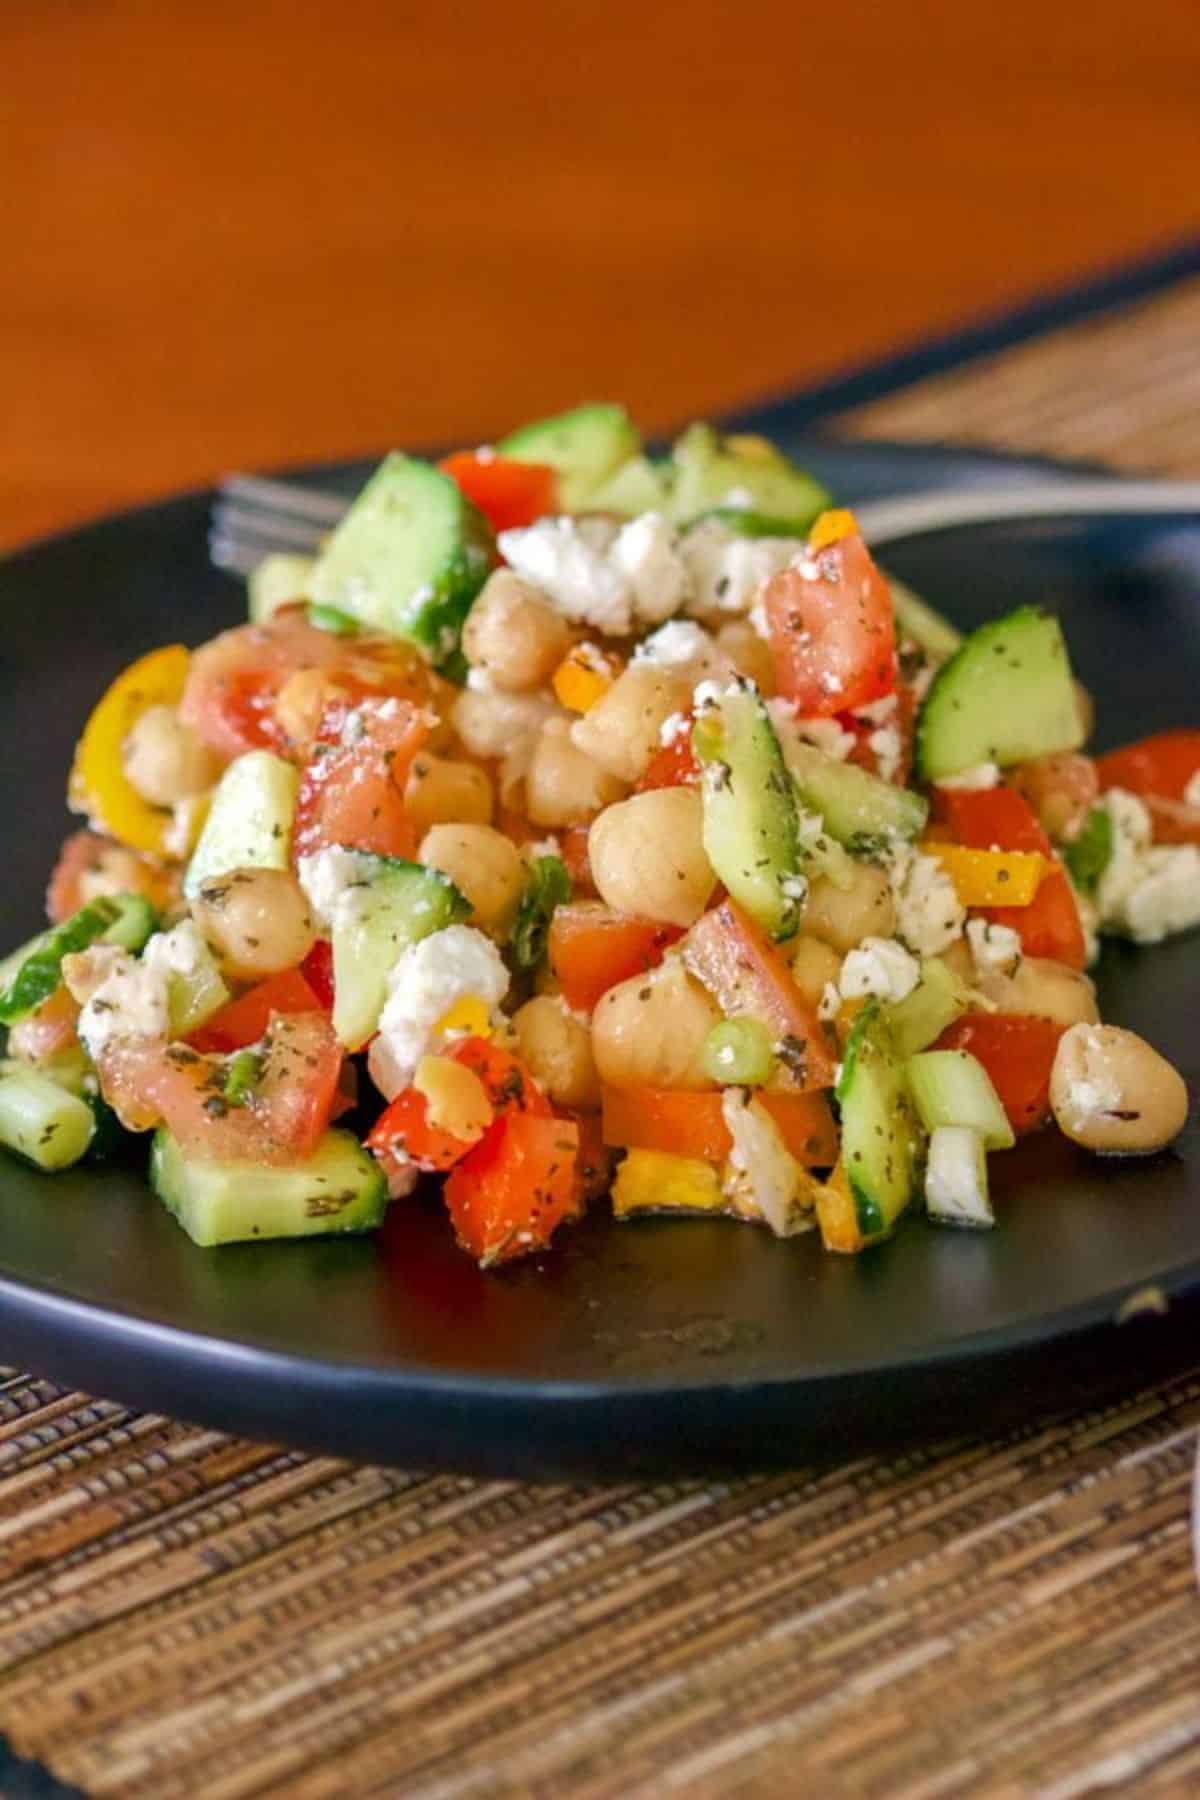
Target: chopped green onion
[[40, 1120], [738, 1053], [547, 885], [332, 619], [242, 1077], [1090, 854]]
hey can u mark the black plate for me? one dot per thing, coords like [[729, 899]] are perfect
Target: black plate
[[654, 1345]]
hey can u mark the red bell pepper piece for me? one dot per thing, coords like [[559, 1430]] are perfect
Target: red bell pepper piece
[[507, 493]]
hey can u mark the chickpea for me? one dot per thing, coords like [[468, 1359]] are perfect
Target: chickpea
[[1061, 790], [495, 724], [647, 856], [650, 1031], [112, 869], [440, 791], [556, 1047], [814, 966], [1042, 989], [483, 864], [749, 654], [514, 634], [563, 784], [1111, 1092], [165, 760], [257, 920], [621, 731], [843, 916]]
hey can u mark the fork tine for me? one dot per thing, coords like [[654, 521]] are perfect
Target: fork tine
[[259, 491]]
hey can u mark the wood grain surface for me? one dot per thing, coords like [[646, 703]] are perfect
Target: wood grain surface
[[240, 234]]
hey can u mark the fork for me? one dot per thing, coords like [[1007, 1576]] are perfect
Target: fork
[[254, 515]]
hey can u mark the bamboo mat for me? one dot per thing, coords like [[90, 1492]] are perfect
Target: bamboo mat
[[186, 1614]]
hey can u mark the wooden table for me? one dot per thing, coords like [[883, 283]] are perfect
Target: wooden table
[[240, 234]]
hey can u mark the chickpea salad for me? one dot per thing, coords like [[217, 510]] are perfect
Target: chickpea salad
[[590, 828]]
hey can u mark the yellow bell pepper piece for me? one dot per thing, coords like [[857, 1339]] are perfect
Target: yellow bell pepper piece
[[836, 523], [992, 877], [656, 1181], [753, 448], [583, 676], [469, 1015], [98, 785], [837, 1215]]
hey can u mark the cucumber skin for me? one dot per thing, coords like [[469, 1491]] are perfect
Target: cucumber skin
[[430, 613], [225, 1213], [1006, 723], [869, 1061], [750, 828], [125, 919]]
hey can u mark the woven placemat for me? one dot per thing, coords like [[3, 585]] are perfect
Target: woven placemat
[[187, 1614]]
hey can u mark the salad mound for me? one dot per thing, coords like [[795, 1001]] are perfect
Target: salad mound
[[582, 826]]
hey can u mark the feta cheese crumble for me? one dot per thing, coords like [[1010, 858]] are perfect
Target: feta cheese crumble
[[726, 571], [326, 876], [677, 642], [130, 1001], [888, 746], [995, 947], [825, 735], [929, 914], [878, 966], [1148, 891], [426, 980], [761, 1175], [973, 780], [673, 726]]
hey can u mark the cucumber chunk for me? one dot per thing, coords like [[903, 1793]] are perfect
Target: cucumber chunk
[[278, 580], [952, 1087], [40, 1120], [35, 971], [1005, 696], [921, 1017], [751, 828], [249, 824], [858, 809], [586, 445], [744, 522], [338, 1189], [956, 1179], [880, 1134], [917, 620], [408, 558], [638, 486], [390, 905], [744, 475]]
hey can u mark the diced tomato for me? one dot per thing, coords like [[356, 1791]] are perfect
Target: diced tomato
[[404, 1125], [510, 1086], [507, 493], [518, 1184], [352, 792], [593, 1171], [1018, 1054], [672, 765], [592, 948], [1162, 765], [89, 864], [47, 1030], [693, 1124], [234, 682], [1001, 819], [573, 842], [1174, 821], [146, 1080], [245, 1020], [833, 633], [748, 976], [317, 970]]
